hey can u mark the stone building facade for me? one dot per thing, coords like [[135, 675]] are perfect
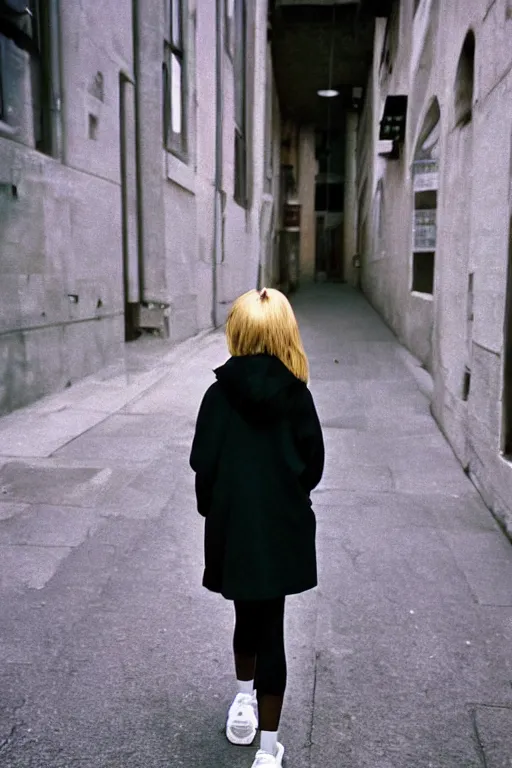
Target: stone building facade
[[434, 215], [139, 165]]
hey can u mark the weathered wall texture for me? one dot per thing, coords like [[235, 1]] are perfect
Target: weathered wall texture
[[459, 329], [387, 224], [307, 170], [62, 236], [350, 205]]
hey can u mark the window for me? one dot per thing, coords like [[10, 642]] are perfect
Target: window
[[173, 80], [464, 81], [426, 180], [25, 26], [41, 77], [240, 104], [391, 41], [329, 197]]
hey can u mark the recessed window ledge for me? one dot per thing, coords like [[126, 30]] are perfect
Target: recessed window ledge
[[7, 131], [506, 459], [424, 296], [180, 173]]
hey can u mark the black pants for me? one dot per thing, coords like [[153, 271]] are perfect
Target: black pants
[[259, 632]]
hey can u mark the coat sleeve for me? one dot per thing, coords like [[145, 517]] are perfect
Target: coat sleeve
[[206, 446], [309, 441]]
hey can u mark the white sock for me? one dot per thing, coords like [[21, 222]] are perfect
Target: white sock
[[245, 686], [269, 742]]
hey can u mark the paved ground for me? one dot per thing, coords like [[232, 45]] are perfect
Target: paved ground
[[112, 655]]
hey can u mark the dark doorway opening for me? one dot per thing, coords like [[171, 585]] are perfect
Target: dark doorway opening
[[329, 248], [329, 205]]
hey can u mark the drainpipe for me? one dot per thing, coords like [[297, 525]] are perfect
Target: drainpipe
[[217, 225], [139, 117]]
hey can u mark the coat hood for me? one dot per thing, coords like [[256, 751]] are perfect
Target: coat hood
[[259, 387]]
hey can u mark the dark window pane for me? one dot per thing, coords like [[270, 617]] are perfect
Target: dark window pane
[[173, 101], [329, 197], [39, 24], [464, 83], [423, 272], [166, 101], [173, 77]]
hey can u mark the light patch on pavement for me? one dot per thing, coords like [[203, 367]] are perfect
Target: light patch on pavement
[[23, 567]]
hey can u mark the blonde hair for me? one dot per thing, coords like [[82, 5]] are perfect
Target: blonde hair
[[263, 322]]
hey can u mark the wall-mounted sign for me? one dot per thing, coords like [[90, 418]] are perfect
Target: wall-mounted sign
[[291, 216], [393, 123]]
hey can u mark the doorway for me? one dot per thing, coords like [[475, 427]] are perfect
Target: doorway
[[329, 205], [129, 206], [329, 247]]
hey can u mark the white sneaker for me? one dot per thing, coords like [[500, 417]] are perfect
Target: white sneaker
[[242, 720], [266, 760]]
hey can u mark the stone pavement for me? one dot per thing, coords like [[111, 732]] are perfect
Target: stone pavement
[[113, 656]]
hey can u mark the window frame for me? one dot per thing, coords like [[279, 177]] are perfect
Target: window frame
[[464, 85], [426, 198], [175, 48], [41, 37], [240, 193], [30, 30]]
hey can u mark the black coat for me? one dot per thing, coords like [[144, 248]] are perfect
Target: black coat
[[258, 453]]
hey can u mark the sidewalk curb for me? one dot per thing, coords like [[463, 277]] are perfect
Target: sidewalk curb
[[492, 501], [42, 428], [423, 378]]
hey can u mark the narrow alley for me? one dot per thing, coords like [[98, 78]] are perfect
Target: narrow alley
[[112, 655]]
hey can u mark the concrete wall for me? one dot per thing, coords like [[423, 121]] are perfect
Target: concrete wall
[[473, 212], [307, 170], [62, 235], [241, 259], [188, 189], [387, 262], [350, 206], [300, 154]]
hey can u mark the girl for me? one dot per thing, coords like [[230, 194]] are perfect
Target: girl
[[258, 453]]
